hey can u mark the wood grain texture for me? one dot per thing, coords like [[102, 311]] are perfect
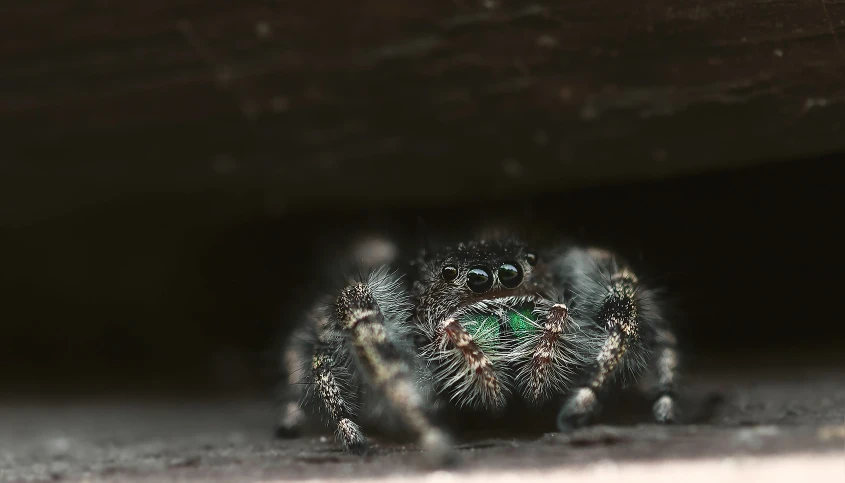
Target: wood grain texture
[[322, 101]]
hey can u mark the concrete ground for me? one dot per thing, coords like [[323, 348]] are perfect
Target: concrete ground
[[741, 425]]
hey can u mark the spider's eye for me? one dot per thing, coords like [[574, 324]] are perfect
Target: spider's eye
[[510, 274], [449, 272], [479, 279], [531, 259]]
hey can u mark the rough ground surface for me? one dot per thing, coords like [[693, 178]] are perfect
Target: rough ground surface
[[795, 417]]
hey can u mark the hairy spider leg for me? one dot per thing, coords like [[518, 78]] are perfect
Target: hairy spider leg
[[543, 378], [666, 368], [290, 417], [358, 316], [297, 361], [331, 394], [466, 367], [618, 314]]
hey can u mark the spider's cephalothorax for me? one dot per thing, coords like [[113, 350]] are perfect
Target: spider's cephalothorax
[[479, 325]]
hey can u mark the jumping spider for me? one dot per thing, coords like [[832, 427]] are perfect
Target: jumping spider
[[479, 325]]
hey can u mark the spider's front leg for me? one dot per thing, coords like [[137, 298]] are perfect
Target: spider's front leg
[[546, 370], [358, 316], [469, 371], [613, 292]]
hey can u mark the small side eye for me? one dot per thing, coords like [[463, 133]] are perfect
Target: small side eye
[[510, 274], [479, 279], [449, 272], [531, 258]]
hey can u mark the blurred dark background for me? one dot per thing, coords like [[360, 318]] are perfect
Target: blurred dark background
[[173, 173]]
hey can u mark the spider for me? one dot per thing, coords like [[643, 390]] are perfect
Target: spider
[[478, 326]]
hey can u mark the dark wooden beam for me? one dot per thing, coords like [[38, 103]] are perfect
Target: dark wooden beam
[[320, 101]]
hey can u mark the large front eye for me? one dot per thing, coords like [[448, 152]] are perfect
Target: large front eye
[[479, 279], [510, 274]]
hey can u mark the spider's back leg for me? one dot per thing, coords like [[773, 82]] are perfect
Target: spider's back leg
[[665, 368], [297, 354], [290, 417]]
